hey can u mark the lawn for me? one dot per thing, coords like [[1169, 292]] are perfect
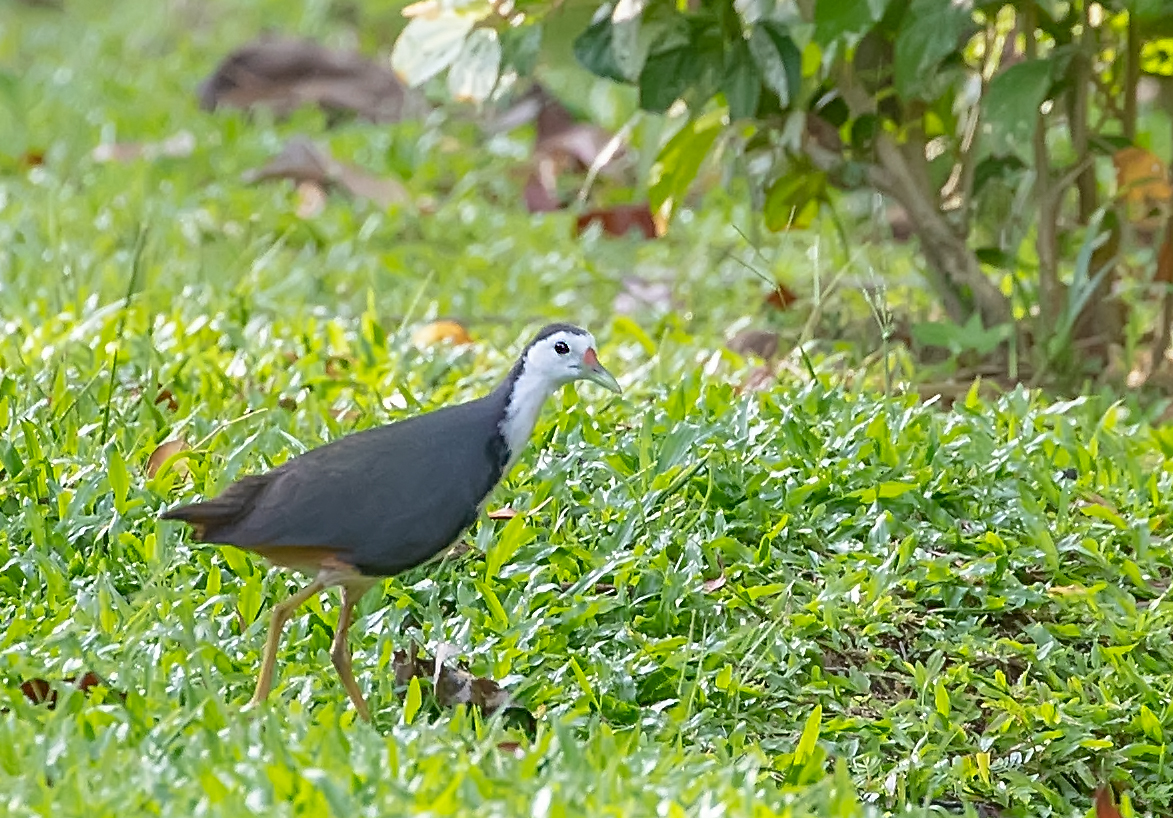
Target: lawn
[[823, 598]]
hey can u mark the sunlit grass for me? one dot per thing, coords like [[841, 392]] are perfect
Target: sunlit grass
[[821, 597]]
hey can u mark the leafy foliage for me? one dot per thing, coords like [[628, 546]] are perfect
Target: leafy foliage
[[979, 120], [826, 602]]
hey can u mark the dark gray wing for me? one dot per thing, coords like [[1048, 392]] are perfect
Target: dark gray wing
[[385, 499]]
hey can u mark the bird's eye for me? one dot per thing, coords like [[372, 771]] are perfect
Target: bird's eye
[[562, 348]]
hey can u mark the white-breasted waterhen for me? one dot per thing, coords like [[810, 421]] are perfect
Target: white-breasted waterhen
[[381, 501]]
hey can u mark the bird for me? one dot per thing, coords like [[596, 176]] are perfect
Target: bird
[[375, 503]]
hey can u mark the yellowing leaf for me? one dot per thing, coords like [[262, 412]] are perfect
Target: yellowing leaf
[[473, 75], [429, 44], [439, 332], [415, 698], [1142, 181], [810, 736]]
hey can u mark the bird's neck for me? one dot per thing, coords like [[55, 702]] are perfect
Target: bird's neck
[[525, 395]]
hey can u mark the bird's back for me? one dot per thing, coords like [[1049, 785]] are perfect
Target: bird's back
[[383, 500]]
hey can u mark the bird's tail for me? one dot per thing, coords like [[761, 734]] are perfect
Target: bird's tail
[[209, 517]]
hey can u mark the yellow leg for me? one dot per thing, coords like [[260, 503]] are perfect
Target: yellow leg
[[340, 650], [281, 614]]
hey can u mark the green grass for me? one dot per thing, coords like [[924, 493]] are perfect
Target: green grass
[[922, 609]]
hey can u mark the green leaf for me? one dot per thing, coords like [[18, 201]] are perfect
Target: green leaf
[[1010, 109], [778, 59], [628, 48], [724, 678], [473, 75], [428, 45], [665, 77], [742, 84], [836, 19], [119, 479], [593, 49], [1150, 724], [930, 31], [413, 700], [505, 545], [680, 161], [793, 201], [810, 735], [884, 491], [941, 698], [496, 609], [248, 601]]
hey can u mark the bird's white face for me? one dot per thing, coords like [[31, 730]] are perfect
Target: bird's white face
[[564, 357], [560, 358]]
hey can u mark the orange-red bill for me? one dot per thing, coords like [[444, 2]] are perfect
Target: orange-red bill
[[590, 358]]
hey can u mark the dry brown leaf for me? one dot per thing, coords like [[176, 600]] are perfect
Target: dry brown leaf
[[643, 296], [166, 396], [760, 342], [505, 513], [284, 74], [563, 145], [780, 298], [311, 200], [1142, 181], [460, 549], [162, 453], [714, 584], [337, 366], [40, 691], [1104, 806], [759, 379], [31, 159], [452, 685], [599, 587], [302, 161], [620, 220], [441, 332]]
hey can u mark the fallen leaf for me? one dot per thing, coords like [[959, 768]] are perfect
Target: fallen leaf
[[620, 220], [165, 451], [302, 161], [714, 584], [759, 379], [781, 297], [31, 159], [460, 549], [167, 397], [1142, 181], [502, 513], [512, 747], [444, 331], [178, 146], [599, 587], [452, 685], [284, 74], [760, 342], [40, 691], [640, 296], [561, 145], [337, 366], [539, 196], [1104, 806], [311, 200]]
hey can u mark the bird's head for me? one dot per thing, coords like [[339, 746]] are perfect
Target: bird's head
[[561, 354]]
